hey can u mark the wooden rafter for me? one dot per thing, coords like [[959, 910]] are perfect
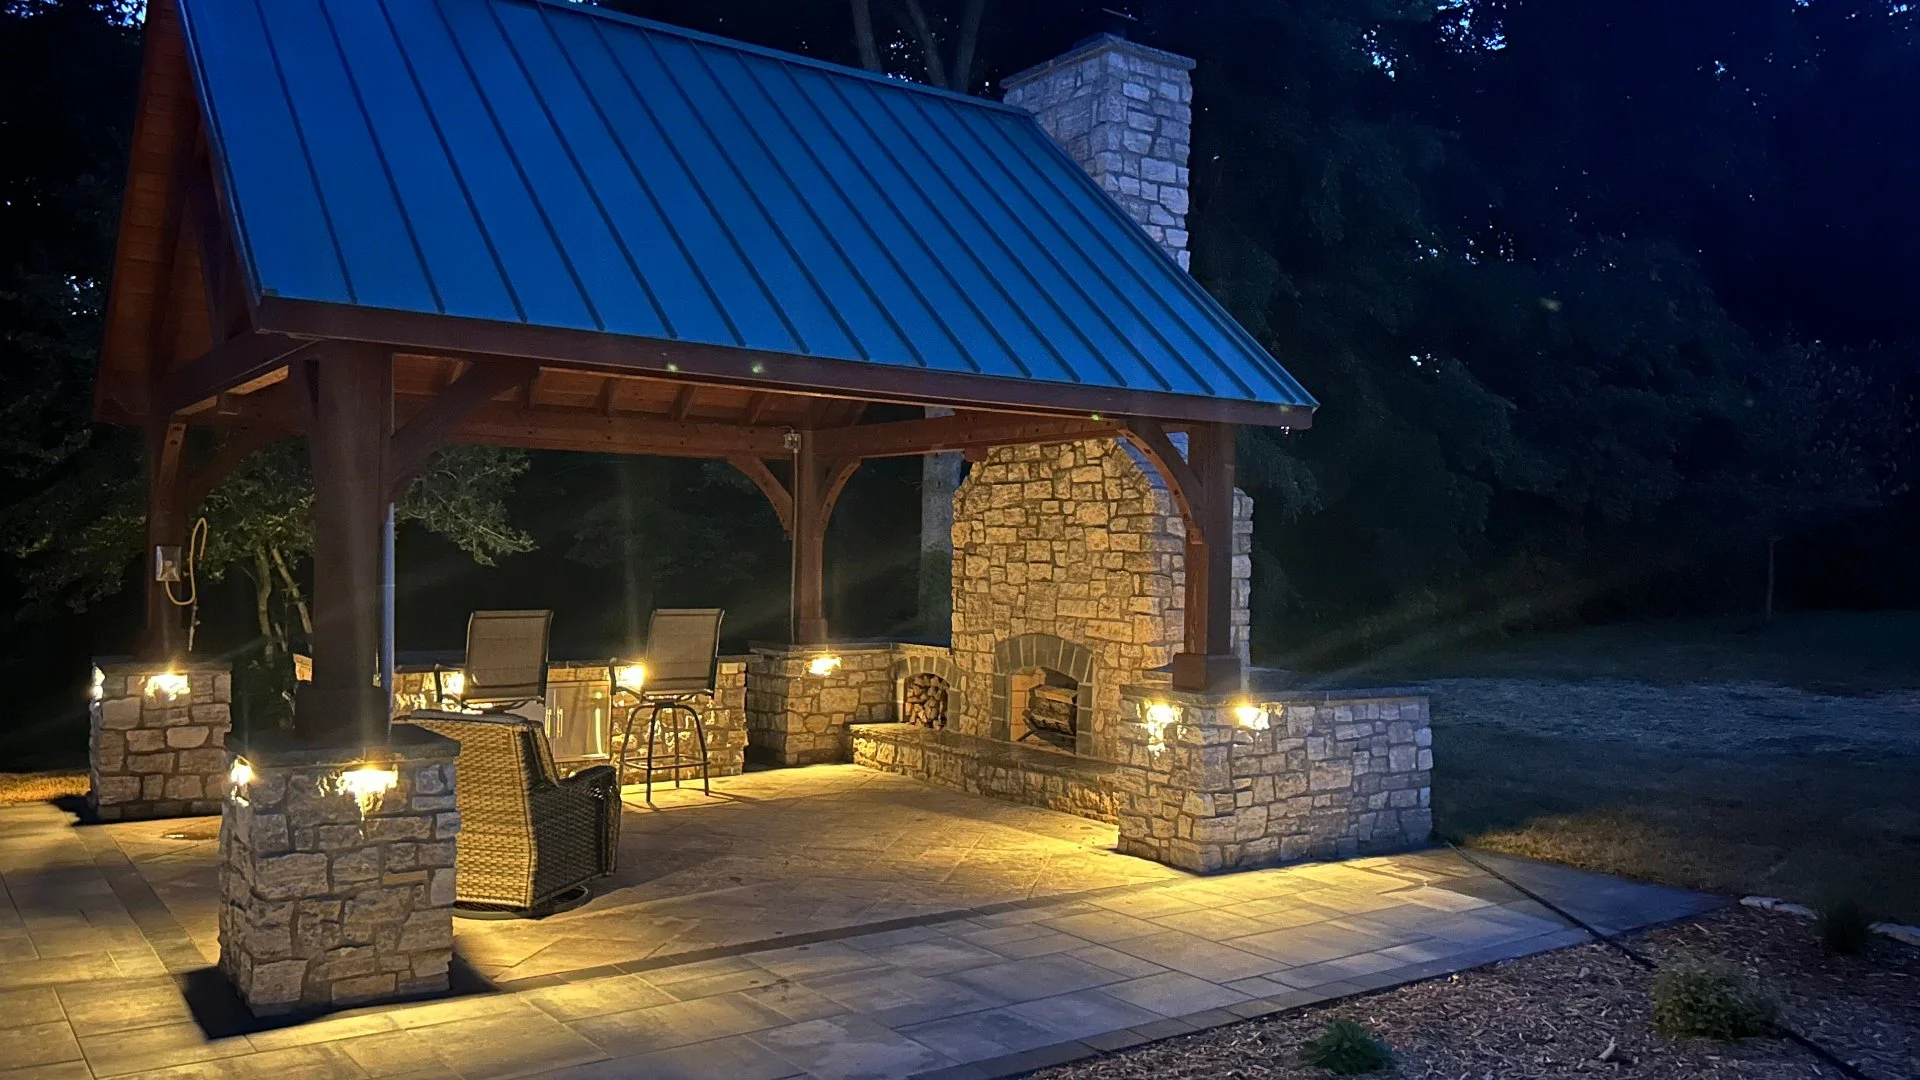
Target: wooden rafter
[[683, 402]]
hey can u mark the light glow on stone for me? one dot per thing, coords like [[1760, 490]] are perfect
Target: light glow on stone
[[823, 665], [240, 775], [630, 677], [1252, 717], [97, 689], [167, 686], [1157, 718], [367, 784]]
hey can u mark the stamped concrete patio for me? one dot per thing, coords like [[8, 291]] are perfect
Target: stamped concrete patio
[[826, 922]]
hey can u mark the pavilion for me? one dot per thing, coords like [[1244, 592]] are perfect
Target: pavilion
[[388, 227]]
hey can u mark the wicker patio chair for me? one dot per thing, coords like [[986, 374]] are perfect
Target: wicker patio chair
[[683, 654], [506, 664], [528, 838]]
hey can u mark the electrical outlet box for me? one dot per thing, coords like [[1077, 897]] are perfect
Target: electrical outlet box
[[166, 563]]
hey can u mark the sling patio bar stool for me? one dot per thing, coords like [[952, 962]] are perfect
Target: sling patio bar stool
[[677, 675], [505, 665]]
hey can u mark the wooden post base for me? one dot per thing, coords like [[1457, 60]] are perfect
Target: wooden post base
[[1216, 674]]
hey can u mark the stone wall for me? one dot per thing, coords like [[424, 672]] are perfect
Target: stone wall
[[579, 691], [1296, 776], [157, 740], [1125, 112], [326, 903], [796, 717], [1080, 542]]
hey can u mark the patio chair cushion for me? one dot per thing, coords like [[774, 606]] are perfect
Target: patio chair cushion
[[526, 834]]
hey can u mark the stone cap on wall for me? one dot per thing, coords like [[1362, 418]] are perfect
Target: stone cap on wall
[[1268, 697], [781, 648], [281, 749], [127, 665], [1087, 47]]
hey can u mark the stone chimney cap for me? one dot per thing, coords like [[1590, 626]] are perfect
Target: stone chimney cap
[[1094, 44]]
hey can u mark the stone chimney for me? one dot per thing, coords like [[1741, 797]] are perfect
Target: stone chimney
[[1124, 112]]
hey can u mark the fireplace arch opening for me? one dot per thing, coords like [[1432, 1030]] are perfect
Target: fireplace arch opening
[[1043, 693]]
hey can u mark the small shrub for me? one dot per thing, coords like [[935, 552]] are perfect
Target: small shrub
[[1710, 998], [1346, 1049], [1845, 927]]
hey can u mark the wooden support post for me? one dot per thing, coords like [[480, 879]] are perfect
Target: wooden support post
[[816, 485], [809, 620], [166, 441], [1209, 664], [348, 444]]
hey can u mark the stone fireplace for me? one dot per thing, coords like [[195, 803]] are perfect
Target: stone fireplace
[[1069, 570]]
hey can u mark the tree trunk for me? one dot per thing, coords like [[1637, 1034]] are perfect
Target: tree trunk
[[969, 42], [863, 35], [262, 575], [929, 44], [293, 593]]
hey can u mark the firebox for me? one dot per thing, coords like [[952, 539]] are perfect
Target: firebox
[[1047, 703]]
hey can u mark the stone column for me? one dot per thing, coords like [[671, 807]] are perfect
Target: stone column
[[799, 706], [1233, 781], [157, 739], [332, 898]]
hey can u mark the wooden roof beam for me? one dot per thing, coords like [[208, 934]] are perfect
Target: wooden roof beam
[[961, 431]]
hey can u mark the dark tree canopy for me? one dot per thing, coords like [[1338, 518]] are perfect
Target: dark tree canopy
[[1605, 299]]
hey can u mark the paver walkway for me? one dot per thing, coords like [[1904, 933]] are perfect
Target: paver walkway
[[825, 922]]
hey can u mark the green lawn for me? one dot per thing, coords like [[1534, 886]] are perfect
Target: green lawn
[[1783, 761]]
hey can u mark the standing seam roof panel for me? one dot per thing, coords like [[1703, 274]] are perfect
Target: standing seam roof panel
[[351, 175], [557, 165], [793, 290], [816, 260], [1041, 355], [285, 237], [936, 254], [874, 329], [662, 257], [1112, 271], [910, 322], [459, 262], [1072, 318], [540, 276]]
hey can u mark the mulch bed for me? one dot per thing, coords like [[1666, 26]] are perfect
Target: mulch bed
[[1584, 1012]]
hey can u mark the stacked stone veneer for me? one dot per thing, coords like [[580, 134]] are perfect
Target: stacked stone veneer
[[1328, 775], [325, 905], [1081, 543], [1125, 112], [795, 717], [154, 754], [582, 690], [996, 769]]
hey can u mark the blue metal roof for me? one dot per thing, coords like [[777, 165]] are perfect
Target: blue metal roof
[[559, 166]]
